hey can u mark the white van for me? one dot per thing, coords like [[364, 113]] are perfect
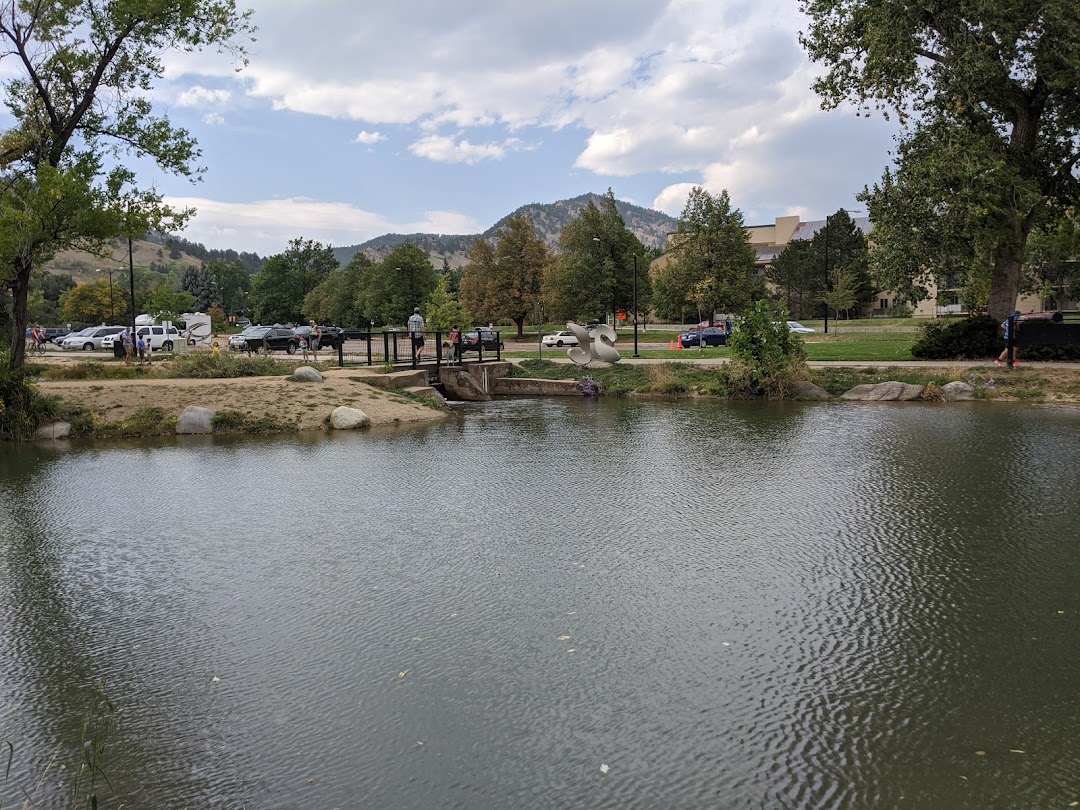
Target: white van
[[165, 337], [91, 338]]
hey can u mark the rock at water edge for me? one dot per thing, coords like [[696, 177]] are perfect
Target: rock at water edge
[[958, 391], [53, 430], [307, 374], [891, 391], [807, 390], [195, 420], [346, 418]]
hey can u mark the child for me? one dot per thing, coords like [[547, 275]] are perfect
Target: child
[[304, 346], [141, 345], [216, 349], [149, 350]]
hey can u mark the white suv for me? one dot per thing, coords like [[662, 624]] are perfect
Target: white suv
[[161, 337]]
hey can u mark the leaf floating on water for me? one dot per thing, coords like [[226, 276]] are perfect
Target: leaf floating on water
[[563, 638], [1074, 804], [403, 673], [571, 650], [964, 778], [727, 643], [980, 753], [215, 679], [419, 743], [603, 768], [1016, 751], [571, 613]]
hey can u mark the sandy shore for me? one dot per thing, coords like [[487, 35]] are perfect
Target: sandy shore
[[308, 404]]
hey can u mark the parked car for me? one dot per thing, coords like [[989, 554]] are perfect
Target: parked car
[[90, 338], [266, 339], [331, 335], [54, 334], [799, 329], [488, 338], [161, 338], [560, 339], [709, 336], [238, 342]]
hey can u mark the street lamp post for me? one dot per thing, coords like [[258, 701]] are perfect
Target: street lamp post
[[635, 306]]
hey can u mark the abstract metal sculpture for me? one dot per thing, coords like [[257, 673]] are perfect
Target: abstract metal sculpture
[[595, 347]]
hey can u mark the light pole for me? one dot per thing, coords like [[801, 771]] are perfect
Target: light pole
[[635, 305]]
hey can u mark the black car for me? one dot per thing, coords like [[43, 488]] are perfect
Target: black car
[[331, 335], [710, 336], [268, 339], [483, 336]]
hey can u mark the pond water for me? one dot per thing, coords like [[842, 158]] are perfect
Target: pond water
[[556, 603]]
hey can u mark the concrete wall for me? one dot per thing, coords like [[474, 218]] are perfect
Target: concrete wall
[[518, 386]]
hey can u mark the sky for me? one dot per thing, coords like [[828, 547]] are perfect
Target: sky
[[356, 118]]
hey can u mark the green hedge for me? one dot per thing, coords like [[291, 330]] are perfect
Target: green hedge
[[969, 338]]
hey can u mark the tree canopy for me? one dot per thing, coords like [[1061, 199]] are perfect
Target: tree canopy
[[391, 289], [278, 291], [82, 71], [989, 97]]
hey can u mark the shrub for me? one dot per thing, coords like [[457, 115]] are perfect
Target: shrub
[[23, 408], [204, 365], [900, 310], [767, 358], [971, 338]]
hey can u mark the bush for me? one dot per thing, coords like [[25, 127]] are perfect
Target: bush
[[767, 359], [900, 310], [970, 338], [23, 408], [204, 365]]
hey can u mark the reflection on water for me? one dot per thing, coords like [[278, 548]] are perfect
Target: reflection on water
[[727, 605]]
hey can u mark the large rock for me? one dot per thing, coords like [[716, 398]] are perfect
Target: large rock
[[53, 430], [957, 391], [807, 390], [195, 420], [346, 418], [891, 391], [307, 374]]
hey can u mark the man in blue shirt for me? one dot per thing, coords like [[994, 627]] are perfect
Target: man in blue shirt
[[1009, 324]]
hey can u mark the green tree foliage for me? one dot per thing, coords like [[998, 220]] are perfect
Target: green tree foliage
[[441, 310], [200, 283], [164, 302], [989, 95], [390, 290], [233, 284], [278, 291], [1052, 263], [334, 300], [79, 94], [593, 273], [767, 359], [798, 274], [842, 248], [505, 284], [712, 265], [90, 303]]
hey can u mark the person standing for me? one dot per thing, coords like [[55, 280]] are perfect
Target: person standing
[[149, 349], [141, 346], [128, 344], [1009, 324], [455, 344], [416, 331], [314, 336]]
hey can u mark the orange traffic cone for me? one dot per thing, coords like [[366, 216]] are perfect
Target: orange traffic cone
[[672, 346], [680, 346]]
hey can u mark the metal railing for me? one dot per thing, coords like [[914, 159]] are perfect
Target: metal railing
[[356, 347]]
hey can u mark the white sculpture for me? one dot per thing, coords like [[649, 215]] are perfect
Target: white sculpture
[[596, 347]]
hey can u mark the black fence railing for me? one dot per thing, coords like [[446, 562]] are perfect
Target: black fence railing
[[399, 348]]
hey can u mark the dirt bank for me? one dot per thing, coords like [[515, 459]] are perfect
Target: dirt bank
[[276, 399]]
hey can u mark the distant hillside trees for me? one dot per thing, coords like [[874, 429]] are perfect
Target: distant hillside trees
[[391, 289], [251, 263], [504, 283], [593, 272], [278, 291], [712, 261]]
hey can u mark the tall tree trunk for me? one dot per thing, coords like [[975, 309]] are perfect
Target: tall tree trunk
[[520, 322], [19, 288], [1005, 279]]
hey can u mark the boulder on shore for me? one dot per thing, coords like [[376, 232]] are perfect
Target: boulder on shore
[[195, 420], [891, 391], [307, 374], [958, 391], [807, 390], [53, 430], [346, 418]]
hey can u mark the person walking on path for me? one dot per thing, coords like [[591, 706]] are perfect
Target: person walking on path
[[1009, 324], [416, 331], [149, 350], [125, 340]]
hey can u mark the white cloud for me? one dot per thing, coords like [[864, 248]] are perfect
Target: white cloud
[[199, 96], [266, 226], [366, 137], [214, 119], [445, 149]]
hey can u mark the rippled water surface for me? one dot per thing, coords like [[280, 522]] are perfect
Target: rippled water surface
[[726, 606]]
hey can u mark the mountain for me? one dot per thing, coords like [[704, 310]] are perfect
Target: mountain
[[548, 219]]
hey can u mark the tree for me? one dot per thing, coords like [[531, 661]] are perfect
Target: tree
[[200, 283], [593, 272], [441, 310], [1052, 264], [989, 98], [278, 291], [165, 302], [712, 265], [90, 303], [80, 101], [505, 284], [389, 291], [334, 299], [798, 274], [841, 248], [233, 284]]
